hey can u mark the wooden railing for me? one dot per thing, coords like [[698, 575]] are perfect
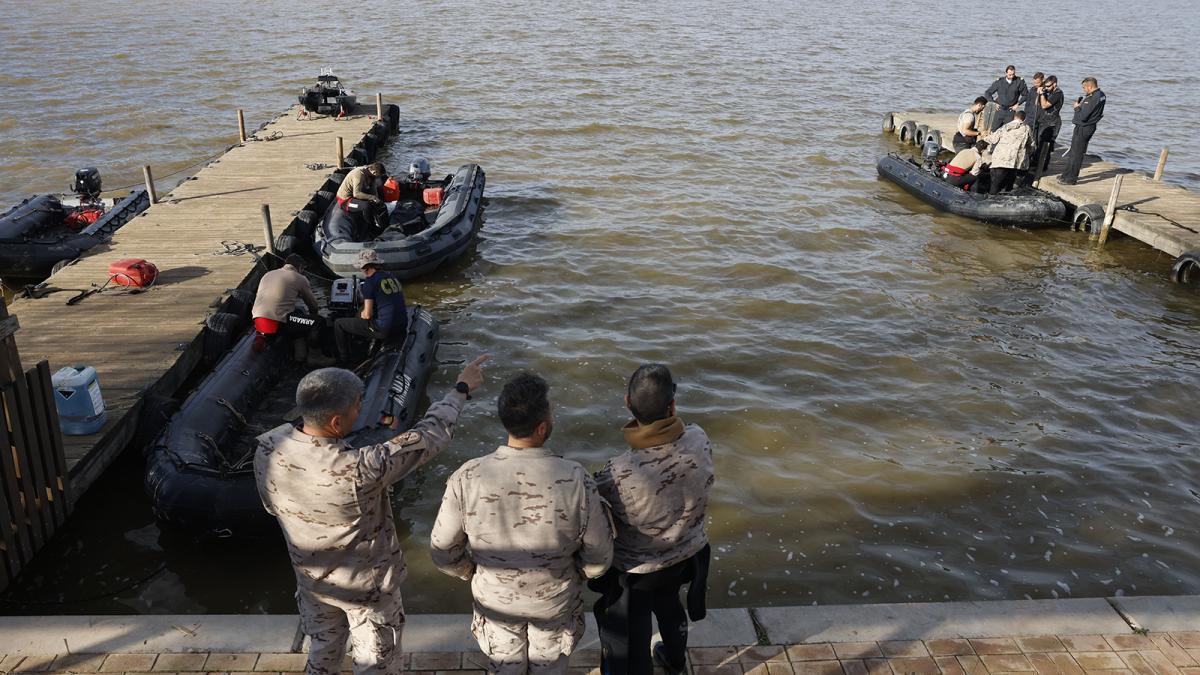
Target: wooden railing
[[33, 471]]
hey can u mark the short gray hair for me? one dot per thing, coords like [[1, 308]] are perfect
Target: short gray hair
[[325, 392]]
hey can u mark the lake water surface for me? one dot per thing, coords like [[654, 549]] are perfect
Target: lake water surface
[[904, 405]]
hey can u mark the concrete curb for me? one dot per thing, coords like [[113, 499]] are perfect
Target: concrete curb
[[723, 627], [908, 621]]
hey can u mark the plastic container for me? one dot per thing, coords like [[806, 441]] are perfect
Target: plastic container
[[79, 401], [433, 196]]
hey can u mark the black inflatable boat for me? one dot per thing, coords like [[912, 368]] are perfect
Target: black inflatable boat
[[200, 470], [45, 230], [329, 96], [1025, 207], [418, 241]]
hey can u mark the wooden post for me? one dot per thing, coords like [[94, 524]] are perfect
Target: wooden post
[[1111, 211], [268, 231], [241, 125], [150, 184], [378, 106], [341, 155], [1162, 162]]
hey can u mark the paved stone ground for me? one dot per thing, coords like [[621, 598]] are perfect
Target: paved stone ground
[[1150, 654]]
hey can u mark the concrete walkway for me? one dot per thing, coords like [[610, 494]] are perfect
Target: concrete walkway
[[1151, 635]]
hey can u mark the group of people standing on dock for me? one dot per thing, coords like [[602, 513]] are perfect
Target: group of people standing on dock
[[1016, 147], [524, 525]]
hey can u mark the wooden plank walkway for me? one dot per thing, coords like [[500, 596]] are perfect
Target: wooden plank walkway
[[149, 342], [1157, 203]]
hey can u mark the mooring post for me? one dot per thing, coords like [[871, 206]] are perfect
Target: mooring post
[[241, 125], [341, 155], [379, 106], [268, 231], [1162, 162], [149, 184], [1111, 211]]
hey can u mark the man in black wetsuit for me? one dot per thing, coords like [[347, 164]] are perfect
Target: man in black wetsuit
[[1089, 110], [1009, 93]]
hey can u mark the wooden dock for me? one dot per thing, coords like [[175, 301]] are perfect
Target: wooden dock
[[1162, 215], [149, 342]]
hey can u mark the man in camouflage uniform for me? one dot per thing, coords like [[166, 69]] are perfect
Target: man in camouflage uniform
[[332, 504], [658, 490], [525, 526]]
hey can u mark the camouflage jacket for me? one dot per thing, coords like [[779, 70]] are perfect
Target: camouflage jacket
[[332, 502], [525, 526], [659, 494]]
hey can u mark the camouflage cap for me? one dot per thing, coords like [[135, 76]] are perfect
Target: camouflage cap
[[368, 256]]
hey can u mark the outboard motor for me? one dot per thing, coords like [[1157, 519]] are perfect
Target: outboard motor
[[418, 170], [931, 150], [87, 184]]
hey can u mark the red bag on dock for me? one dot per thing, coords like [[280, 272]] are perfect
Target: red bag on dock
[[133, 272]]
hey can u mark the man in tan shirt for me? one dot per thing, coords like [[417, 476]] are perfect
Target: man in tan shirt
[[359, 193], [525, 526], [275, 312]]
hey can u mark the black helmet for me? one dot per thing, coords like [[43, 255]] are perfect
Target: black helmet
[[419, 169]]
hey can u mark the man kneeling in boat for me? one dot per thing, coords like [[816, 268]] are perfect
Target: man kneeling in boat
[[275, 313], [331, 500], [383, 314], [964, 170], [359, 193]]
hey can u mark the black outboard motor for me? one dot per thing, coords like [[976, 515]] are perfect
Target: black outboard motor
[[87, 184], [931, 150]]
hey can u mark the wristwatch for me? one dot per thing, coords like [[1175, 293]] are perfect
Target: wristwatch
[[462, 388]]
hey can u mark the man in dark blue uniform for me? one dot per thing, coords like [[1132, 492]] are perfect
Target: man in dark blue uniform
[[1089, 110], [1009, 93], [383, 314]]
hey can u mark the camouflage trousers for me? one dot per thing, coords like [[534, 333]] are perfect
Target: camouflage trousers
[[374, 634], [519, 647]]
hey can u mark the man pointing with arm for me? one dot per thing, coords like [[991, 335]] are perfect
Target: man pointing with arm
[[332, 503]]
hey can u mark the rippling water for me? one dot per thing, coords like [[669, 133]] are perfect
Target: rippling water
[[905, 405]]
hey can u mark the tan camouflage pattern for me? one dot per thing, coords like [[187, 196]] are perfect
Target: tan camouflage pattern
[[515, 648], [332, 504], [659, 500], [375, 634], [525, 526]]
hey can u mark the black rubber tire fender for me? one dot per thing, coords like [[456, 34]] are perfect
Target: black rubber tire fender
[[58, 266], [220, 331], [1186, 269], [324, 197], [1088, 218], [307, 217], [919, 137], [907, 131], [285, 244], [239, 303], [889, 123]]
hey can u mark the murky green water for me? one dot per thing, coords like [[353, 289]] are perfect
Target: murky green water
[[904, 405]]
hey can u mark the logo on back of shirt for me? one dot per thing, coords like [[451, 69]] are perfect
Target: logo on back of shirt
[[389, 286]]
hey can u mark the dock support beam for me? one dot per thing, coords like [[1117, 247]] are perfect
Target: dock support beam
[[379, 106], [1111, 212], [268, 231], [150, 184], [1162, 162], [241, 126], [341, 154]]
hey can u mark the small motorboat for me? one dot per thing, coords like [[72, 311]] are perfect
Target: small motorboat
[[200, 469], [329, 96], [46, 231], [420, 237], [1025, 207]]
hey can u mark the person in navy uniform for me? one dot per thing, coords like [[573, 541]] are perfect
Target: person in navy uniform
[[383, 314], [1009, 93], [1089, 110]]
